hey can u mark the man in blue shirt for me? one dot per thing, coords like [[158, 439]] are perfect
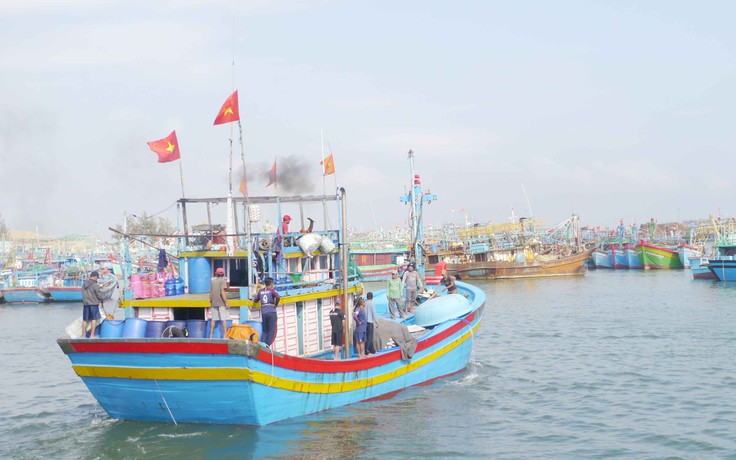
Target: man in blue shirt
[[269, 299]]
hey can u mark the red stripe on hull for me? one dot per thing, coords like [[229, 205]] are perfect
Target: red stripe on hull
[[285, 361], [150, 347], [330, 366]]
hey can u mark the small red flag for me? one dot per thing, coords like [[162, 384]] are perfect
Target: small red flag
[[272, 174], [167, 148], [243, 187], [329, 165], [229, 111]]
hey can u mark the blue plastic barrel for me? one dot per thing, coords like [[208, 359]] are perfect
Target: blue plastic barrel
[[197, 328], [170, 286], [217, 334], [179, 285], [200, 275], [258, 326], [134, 328], [111, 329], [154, 329]]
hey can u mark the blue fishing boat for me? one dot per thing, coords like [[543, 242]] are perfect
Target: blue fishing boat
[[27, 285], [601, 259], [23, 295], [723, 265], [700, 268], [686, 253], [135, 374], [632, 258]]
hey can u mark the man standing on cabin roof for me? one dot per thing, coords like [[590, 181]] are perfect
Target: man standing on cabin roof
[[91, 299], [269, 299], [412, 281], [218, 302]]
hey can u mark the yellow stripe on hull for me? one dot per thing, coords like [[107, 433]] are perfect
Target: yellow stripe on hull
[[203, 301], [209, 374]]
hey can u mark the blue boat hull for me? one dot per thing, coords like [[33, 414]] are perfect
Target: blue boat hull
[[723, 269], [240, 382], [23, 295], [632, 259], [65, 294], [601, 259]]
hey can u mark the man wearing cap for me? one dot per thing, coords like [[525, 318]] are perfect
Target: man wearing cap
[[218, 302], [285, 224], [91, 298], [393, 292]]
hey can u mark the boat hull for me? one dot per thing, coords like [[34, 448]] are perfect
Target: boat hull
[[229, 382], [65, 293], [566, 266], [700, 269], [601, 259], [632, 259], [656, 257], [241, 382], [723, 269], [23, 295]]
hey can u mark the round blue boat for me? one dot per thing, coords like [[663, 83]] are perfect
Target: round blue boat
[[440, 309]]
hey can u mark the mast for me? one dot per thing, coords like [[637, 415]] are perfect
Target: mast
[[344, 269], [416, 198]]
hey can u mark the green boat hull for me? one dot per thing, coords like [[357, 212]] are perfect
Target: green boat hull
[[655, 257]]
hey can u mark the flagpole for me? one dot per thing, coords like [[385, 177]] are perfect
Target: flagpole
[[246, 212], [181, 175], [324, 182]]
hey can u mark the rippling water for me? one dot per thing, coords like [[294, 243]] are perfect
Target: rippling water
[[615, 364]]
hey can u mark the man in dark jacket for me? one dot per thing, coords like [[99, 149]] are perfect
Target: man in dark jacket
[[91, 298]]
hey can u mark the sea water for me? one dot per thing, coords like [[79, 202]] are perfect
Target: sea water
[[615, 364]]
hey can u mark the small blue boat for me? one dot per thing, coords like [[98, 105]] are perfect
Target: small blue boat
[[700, 268]]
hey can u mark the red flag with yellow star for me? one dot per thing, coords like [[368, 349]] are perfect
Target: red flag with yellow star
[[229, 111], [167, 148]]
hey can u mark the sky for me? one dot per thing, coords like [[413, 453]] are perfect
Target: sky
[[609, 110]]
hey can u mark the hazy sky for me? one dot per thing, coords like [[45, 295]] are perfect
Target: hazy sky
[[610, 109]]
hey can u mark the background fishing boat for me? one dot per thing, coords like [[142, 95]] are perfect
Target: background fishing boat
[[527, 257], [658, 257]]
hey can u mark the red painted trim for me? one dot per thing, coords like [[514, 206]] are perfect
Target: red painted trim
[[285, 361], [296, 363], [116, 346]]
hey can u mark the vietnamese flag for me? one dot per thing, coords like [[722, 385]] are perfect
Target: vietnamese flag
[[167, 148], [329, 165], [229, 111]]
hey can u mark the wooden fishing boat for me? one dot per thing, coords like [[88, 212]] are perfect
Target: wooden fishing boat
[[539, 266]]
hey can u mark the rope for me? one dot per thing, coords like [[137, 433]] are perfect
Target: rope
[[165, 403]]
